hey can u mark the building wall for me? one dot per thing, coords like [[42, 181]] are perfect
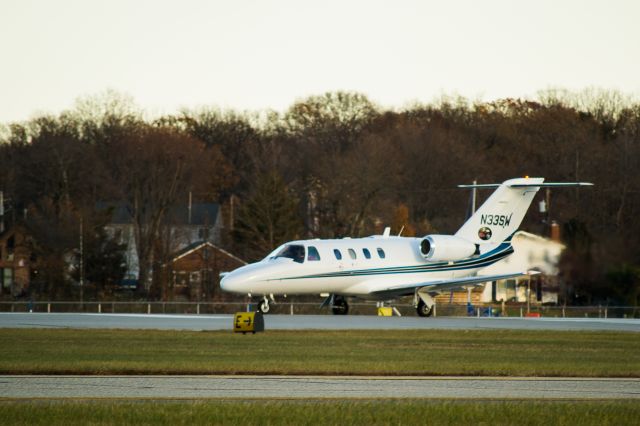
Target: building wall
[[196, 275], [15, 262], [180, 236], [530, 252]]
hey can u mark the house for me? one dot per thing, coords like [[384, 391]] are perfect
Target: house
[[16, 261], [195, 270], [186, 225], [530, 252]]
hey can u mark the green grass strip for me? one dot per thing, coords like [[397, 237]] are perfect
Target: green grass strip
[[405, 352], [396, 412]]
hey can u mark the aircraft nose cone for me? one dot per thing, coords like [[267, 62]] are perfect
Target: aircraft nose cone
[[237, 281], [227, 281], [246, 278]]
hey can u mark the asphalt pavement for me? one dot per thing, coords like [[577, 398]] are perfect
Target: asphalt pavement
[[305, 387], [307, 322]]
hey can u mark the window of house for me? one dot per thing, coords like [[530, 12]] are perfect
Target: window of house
[[352, 253], [337, 254], [366, 253], [181, 278], [381, 253], [312, 253], [11, 244], [7, 279]]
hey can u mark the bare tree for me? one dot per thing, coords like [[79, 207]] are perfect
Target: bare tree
[[154, 167]]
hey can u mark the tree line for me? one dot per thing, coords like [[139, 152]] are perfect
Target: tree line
[[332, 165]]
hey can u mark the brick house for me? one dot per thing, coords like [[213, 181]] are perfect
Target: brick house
[[187, 225], [196, 269], [16, 261]]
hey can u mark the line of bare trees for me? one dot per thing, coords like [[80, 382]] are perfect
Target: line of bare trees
[[335, 165]]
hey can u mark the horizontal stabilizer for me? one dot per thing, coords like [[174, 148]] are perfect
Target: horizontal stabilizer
[[526, 185]]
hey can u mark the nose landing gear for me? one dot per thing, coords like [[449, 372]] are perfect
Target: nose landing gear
[[263, 306]]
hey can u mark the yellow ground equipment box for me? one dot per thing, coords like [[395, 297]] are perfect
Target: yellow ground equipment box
[[385, 311], [248, 322]]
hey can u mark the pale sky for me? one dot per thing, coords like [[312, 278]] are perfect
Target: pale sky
[[265, 54]]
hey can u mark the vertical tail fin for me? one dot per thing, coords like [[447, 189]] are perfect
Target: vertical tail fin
[[501, 215]]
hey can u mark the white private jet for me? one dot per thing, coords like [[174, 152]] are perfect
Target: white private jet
[[385, 267]]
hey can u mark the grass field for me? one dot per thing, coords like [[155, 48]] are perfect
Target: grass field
[[407, 352], [333, 412]]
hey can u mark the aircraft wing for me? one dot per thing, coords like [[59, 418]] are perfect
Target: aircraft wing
[[439, 286]]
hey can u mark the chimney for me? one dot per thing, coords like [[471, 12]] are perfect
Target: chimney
[[555, 231]]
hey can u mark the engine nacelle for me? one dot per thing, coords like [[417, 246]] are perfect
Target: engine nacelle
[[446, 248]]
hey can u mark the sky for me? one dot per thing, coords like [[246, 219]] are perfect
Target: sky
[[266, 54]]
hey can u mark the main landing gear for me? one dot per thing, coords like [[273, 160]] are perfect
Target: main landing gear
[[424, 303], [423, 309], [339, 306]]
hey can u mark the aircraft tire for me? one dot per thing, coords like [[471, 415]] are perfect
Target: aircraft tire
[[340, 307], [423, 309], [263, 306]]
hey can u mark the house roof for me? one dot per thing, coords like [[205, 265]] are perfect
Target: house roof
[[197, 246], [202, 214]]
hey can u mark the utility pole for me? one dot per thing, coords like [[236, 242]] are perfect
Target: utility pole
[[81, 263], [190, 206], [1, 212], [529, 295]]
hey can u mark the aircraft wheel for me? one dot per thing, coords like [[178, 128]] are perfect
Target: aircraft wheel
[[263, 306], [423, 309], [340, 307]]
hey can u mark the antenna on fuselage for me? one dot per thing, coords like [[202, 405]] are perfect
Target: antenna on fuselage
[[387, 232], [401, 229]]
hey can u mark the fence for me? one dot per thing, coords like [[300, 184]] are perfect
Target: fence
[[310, 308]]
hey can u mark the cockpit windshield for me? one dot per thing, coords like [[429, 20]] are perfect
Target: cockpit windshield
[[292, 251]]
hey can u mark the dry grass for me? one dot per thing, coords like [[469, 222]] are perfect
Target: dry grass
[[414, 352], [522, 413]]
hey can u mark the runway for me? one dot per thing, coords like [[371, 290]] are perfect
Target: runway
[[305, 387], [307, 322]]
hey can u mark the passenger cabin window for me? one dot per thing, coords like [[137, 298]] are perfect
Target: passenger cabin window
[[338, 254], [366, 253], [381, 253], [312, 253], [294, 252], [352, 253]]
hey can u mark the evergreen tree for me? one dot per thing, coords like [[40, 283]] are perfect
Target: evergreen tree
[[268, 218]]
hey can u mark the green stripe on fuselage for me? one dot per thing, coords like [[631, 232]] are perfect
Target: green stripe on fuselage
[[487, 259]]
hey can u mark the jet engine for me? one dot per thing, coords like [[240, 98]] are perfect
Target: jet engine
[[438, 248]]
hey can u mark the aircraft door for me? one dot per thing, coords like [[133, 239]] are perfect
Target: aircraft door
[[352, 257]]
